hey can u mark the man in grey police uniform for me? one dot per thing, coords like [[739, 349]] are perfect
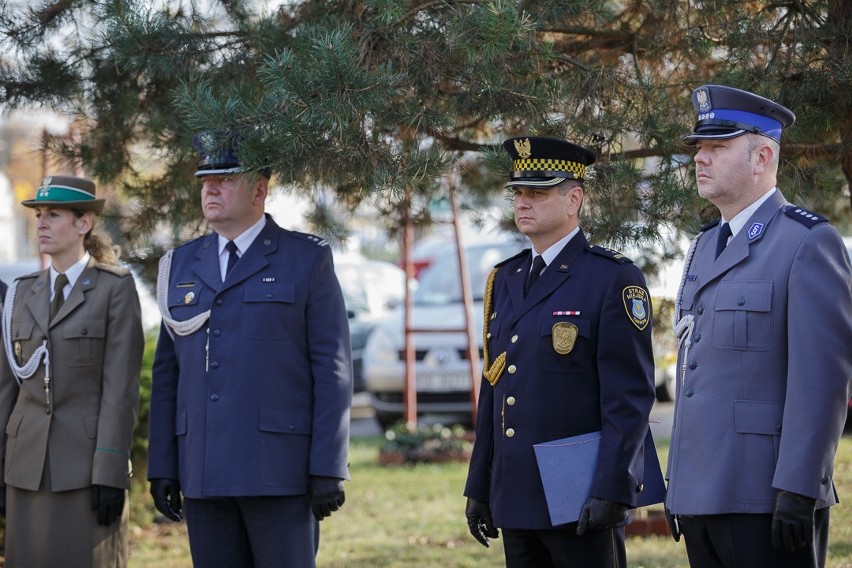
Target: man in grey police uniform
[[252, 379], [765, 325], [572, 355]]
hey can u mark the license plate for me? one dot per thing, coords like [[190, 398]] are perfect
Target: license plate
[[427, 382]]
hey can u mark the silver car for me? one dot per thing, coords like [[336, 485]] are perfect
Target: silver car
[[442, 370]]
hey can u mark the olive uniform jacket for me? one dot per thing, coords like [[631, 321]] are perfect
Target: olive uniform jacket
[[604, 381], [762, 399], [95, 344]]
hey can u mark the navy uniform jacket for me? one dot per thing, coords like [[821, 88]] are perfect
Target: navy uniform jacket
[[605, 383], [762, 399], [268, 404]]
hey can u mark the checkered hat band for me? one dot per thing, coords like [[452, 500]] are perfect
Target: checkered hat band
[[547, 167]]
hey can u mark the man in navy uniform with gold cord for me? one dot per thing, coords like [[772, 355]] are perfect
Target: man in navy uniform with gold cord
[[765, 324], [568, 352]]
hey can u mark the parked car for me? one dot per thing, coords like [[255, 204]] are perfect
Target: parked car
[[442, 367], [371, 288]]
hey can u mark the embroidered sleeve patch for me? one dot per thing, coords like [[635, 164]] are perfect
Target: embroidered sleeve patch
[[637, 306]]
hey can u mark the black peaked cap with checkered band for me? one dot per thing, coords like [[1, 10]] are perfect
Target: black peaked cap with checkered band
[[546, 162]]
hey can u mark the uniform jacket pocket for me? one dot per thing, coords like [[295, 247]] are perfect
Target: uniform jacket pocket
[[758, 429], [743, 318], [267, 310], [86, 338]]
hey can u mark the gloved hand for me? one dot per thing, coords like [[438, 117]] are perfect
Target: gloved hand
[[3, 501], [108, 502], [166, 494], [598, 514], [674, 525], [479, 521], [326, 495], [792, 521]]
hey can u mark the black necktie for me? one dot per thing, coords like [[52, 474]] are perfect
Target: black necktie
[[537, 266], [58, 296], [724, 233], [231, 247]]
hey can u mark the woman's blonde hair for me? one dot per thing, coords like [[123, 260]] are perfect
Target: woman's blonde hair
[[99, 244]]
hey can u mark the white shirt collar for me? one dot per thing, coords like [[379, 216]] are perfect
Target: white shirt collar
[[244, 239], [740, 219], [550, 254], [73, 273]]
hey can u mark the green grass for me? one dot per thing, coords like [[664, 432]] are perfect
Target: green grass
[[404, 516]]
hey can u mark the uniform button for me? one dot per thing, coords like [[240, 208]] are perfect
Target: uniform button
[[510, 432], [214, 397], [85, 331], [778, 427], [689, 392], [214, 365], [700, 309], [219, 301], [269, 295], [697, 337], [510, 401], [488, 335], [826, 479], [514, 339], [740, 301], [640, 488], [216, 333], [692, 364], [512, 369]]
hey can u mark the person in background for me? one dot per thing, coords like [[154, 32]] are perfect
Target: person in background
[[764, 316], [571, 323], [252, 379], [69, 390]]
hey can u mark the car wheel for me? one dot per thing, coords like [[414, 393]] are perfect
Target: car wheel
[[386, 419]]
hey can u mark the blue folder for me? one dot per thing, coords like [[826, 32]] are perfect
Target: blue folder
[[567, 467]]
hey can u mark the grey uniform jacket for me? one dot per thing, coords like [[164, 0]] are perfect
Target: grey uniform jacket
[[763, 388]]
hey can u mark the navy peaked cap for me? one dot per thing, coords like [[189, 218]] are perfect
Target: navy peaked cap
[[726, 112]]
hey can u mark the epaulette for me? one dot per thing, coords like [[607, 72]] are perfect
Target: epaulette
[[519, 255], [807, 218], [30, 275], [319, 241], [119, 271], [610, 254], [709, 225]]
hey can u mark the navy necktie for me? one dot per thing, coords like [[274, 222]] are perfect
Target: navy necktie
[[724, 233], [537, 266], [231, 247]]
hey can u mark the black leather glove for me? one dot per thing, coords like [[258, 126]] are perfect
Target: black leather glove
[[326, 494], [674, 525], [792, 521], [108, 502], [166, 494], [599, 514], [479, 521], [3, 501]]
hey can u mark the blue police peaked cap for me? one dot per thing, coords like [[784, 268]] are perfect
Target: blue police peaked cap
[[217, 154], [726, 112], [545, 162]]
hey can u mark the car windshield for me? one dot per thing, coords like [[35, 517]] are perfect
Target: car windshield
[[441, 284]]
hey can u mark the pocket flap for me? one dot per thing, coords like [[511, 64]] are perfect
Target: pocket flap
[[747, 296], [13, 424], [758, 417], [22, 329], [82, 328], [284, 421], [272, 292]]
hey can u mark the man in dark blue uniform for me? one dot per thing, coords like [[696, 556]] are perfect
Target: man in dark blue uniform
[[569, 329], [252, 380]]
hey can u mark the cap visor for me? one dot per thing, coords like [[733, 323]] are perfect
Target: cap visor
[[536, 182], [95, 205], [218, 172], [696, 136]]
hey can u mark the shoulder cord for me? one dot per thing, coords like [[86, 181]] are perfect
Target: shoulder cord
[[29, 368], [173, 326], [491, 372], [683, 326]]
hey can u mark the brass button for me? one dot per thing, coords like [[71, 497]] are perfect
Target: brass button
[[488, 335], [514, 339], [510, 401], [512, 369], [510, 432]]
